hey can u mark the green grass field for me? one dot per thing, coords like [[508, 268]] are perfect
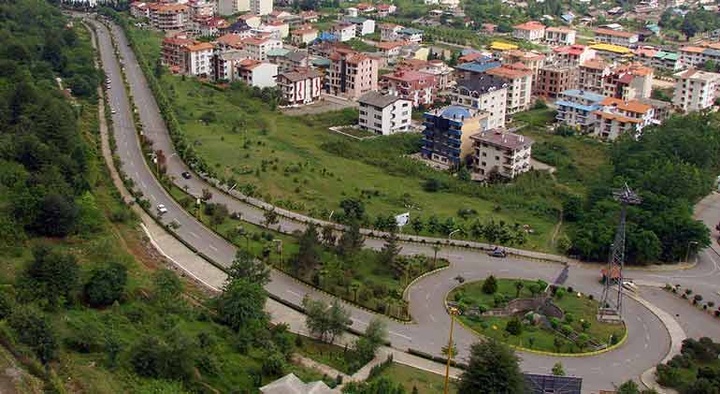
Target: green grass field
[[580, 308], [409, 377]]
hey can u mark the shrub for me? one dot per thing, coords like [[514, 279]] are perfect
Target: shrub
[[570, 289], [490, 285], [697, 298], [560, 293], [514, 326]]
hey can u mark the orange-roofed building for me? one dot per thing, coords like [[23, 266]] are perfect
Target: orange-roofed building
[[560, 36], [416, 86], [573, 54], [617, 117], [186, 56], [303, 35], [615, 37], [351, 73], [168, 17], [519, 84], [532, 31], [257, 73]]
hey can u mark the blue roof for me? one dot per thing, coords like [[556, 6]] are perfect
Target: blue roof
[[563, 103], [711, 52], [568, 17], [467, 51], [477, 67], [583, 94], [455, 111], [325, 36]]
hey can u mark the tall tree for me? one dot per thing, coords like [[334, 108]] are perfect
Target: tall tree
[[390, 250], [308, 255], [493, 368], [351, 240], [106, 285], [52, 275], [241, 304], [246, 266]]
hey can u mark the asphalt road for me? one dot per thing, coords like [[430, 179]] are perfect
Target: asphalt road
[[648, 341]]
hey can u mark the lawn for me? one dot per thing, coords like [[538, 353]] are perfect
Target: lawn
[[577, 309], [411, 378], [298, 164], [329, 354]]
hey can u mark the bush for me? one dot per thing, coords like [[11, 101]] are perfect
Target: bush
[[514, 326], [106, 285], [560, 293], [490, 285]]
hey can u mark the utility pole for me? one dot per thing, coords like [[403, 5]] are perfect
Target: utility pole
[[453, 311]]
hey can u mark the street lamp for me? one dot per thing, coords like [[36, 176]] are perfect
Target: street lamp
[[243, 233], [453, 311], [687, 253]]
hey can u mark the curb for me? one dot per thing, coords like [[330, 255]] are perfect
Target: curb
[[412, 282]]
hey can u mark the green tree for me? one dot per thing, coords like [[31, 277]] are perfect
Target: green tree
[[57, 216], [52, 275], [106, 285], [351, 240], [390, 250], [241, 304], [629, 387], [271, 217], [514, 326], [519, 285], [325, 321], [449, 351], [246, 266], [167, 287], [490, 285], [375, 335], [172, 357], [558, 369], [492, 368], [308, 255], [417, 225], [34, 329], [354, 209]]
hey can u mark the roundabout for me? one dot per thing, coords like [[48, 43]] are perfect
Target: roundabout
[[534, 316]]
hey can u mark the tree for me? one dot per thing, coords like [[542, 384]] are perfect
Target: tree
[[308, 255], [353, 208], [270, 217], [492, 368], [417, 225], [390, 250], [166, 287], [558, 370], [241, 304], [351, 240], [374, 337], [328, 236], [381, 385], [106, 285], [34, 329], [449, 351], [171, 357], [490, 285], [323, 321], [245, 266], [52, 275], [629, 387], [57, 216], [519, 285], [514, 326], [339, 320]]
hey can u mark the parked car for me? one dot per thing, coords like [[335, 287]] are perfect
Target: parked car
[[161, 209], [186, 175], [497, 252]]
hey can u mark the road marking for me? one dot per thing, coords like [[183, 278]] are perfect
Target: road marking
[[427, 297], [193, 234], [432, 317], [294, 293], [211, 246], [646, 345], [400, 335]]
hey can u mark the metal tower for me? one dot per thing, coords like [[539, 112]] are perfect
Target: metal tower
[[611, 302]]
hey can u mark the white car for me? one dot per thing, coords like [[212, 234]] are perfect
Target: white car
[[630, 285], [161, 209]]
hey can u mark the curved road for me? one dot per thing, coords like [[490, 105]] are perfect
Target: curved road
[[647, 343]]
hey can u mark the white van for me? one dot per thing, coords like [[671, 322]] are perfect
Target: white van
[[161, 209]]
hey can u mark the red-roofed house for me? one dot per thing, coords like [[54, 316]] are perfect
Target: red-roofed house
[[416, 86], [185, 56], [257, 73], [532, 31], [303, 35], [617, 117], [573, 54], [519, 81], [384, 10], [351, 73], [389, 31]]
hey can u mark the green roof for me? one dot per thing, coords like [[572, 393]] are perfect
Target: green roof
[[321, 62], [278, 52]]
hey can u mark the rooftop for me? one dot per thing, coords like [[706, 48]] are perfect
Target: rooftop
[[610, 32], [560, 29], [619, 49], [502, 46], [511, 71], [530, 25], [482, 84], [581, 94], [300, 74], [503, 139], [278, 52], [377, 99], [628, 106], [291, 384], [698, 75], [407, 75], [596, 63]]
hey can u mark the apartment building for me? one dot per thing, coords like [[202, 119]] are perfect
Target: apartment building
[[502, 153], [344, 31], [389, 32], [576, 108], [410, 34], [532, 31], [478, 66], [519, 86], [258, 48], [201, 9], [185, 56], [612, 52], [532, 60], [384, 114], [617, 117], [261, 7], [363, 26], [416, 86], [230, 7], [351, 73], [695, 90], [446, 134], [199, 57], [442, 72], [592, 74], [168, 17], [615, 37], [556, 78], [572, 54], [629, 81], [300, 87], [657, 59], [560, 36], [303, 35], [697, 55], [288, 60], [486, 93], [257, 73], [225, 64], [281, 29]]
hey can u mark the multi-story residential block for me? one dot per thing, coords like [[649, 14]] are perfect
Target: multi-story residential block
[[657, 59], [363, 26], [576, 108], [257, 73], [617, 117], [351, 74], [629, 81], [282, 27], [173, 53], [695, 90], [209, 27], [139, 9], [532, 31], [201, 9], [560, 36], [662, 109], [168, 17], [309, 16], [288, 60], [384, 10], [442, 72], [486, 93], [300, 87], [258, 48], [592, 74], [229, 7], [572, 54], [614, 37], [478, 66], [261, 7], [225, 64], [199, 57], [252, 20], [500, 152], [384, 113], [229, 41], [519, 86], [532, 60], [303, 35], [416, 86], [389, 32], [410, 34], [556, 78], [186, 56], [446, 134], [696, 56], [344, 31], [612, 52], [390, 49]]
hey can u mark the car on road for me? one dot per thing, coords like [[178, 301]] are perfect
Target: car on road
[[186, 175], [161, 209], [113, 111], [630, 285], [497, 252]]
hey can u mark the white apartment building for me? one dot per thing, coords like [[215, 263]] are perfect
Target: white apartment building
[[532, 31], [504, 153], [363, 26], [261, 7], [560, 36], [256, 73], [695, 90], [229, 7], [200, 58], [576, 108], [344, 31], [389, 32], [300, 87], [487, 93], [257, 48], [519, 85], [615, 37], [384, 114], [617, 117]]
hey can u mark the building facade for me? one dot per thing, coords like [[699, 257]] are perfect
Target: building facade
[[617, 117], [446, 134], [486, 93], [532, 31], [519, 86], [615, 37], [384, 114], [257, 73], [560, 36], [300, 87], [576, 108], [556, 78], [502, 153], [261, 7], [351, 73], [416, 86], [695, 90]]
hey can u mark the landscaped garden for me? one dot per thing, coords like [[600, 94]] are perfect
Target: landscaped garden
[[514, 311]]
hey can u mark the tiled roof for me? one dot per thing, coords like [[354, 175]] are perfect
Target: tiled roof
[[408, 76], [596, 63], [200, 46], [692, 49], [377, 99], [503, 139], [300, 75], [511, 71], [698, 74], [559, 29], [530, 25], [629, 106], [577, 93], [482, 84], [610, 32]]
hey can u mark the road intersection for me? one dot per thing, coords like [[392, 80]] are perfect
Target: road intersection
[[648, 341]]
